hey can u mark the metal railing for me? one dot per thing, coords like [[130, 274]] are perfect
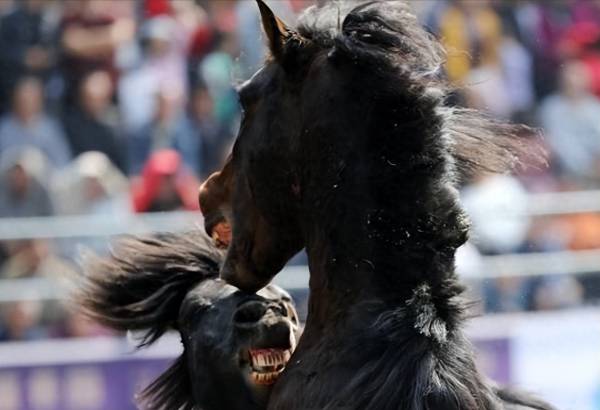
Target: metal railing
[[295, 277]]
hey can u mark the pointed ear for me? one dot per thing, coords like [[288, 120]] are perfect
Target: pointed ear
[[276, 30]]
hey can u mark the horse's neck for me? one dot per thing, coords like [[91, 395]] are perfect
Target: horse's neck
[[343, 281]]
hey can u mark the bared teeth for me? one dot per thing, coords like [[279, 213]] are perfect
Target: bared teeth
[[265, 378], [269, 357], [267, 364]]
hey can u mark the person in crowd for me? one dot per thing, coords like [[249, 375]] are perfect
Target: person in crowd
[[487, 91], [502, 84], [165, 185], [215, 137], [570, 120], [20, 321], [166, 130], [24, 191], [201, 43], [217, 71], [28, 125], [517, 65], [587, 11], [163, 66], [469, 28], [497, 207], [91, 185], [35, 258], [91, 125], [27, 44], [90, 37], [6, 7], [581, 41], [552, 19], [558, 292]]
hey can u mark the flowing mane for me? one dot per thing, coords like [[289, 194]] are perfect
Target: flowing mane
[[141, 287], [387, 36]]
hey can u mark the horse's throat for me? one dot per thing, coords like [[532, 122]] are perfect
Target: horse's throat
[[344, 279]]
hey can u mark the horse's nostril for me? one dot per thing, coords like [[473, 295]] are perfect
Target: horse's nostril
[[249, 313], [282, 309]]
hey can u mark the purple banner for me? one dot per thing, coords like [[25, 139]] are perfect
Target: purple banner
[[105, 375], [90, 386]]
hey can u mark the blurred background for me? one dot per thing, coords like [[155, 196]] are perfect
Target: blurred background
[[112, 112]]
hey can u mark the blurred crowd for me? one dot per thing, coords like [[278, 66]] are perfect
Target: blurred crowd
[[111, 107]]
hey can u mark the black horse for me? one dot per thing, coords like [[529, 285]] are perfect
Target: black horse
[[347, 148], [235, 344]]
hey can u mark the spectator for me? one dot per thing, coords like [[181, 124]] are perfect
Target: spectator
[[30, 258], [215, 138], [27, 44], [201, 42], [582, 42], [587, 11], [217, 71], [165, 185], [553, 18], [21, 321], [6, 7], [487, 90], [497, 207], [469, 28], [570, 119], [90, 37], [28, 125], [166, 130], [516, 65], [163, 69], [89, 125], [91, 185], [23, 193], [560, 292], [502, 83]]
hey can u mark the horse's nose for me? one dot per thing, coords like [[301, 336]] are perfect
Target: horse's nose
[[248, 314]]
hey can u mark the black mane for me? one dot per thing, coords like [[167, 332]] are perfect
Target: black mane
[[141, 287], [385, 36]]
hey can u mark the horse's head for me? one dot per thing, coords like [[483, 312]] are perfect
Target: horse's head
[[235, 344], [301, 113], [348, 111]]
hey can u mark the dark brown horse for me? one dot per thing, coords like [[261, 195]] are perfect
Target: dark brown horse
[[235, 344], [348, 149]]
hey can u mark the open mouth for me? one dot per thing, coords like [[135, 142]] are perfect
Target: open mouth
[[267, 364]]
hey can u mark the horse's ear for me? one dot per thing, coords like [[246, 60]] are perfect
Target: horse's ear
[[276, 30]]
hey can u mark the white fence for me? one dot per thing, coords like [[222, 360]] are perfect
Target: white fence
[[527, 264]]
